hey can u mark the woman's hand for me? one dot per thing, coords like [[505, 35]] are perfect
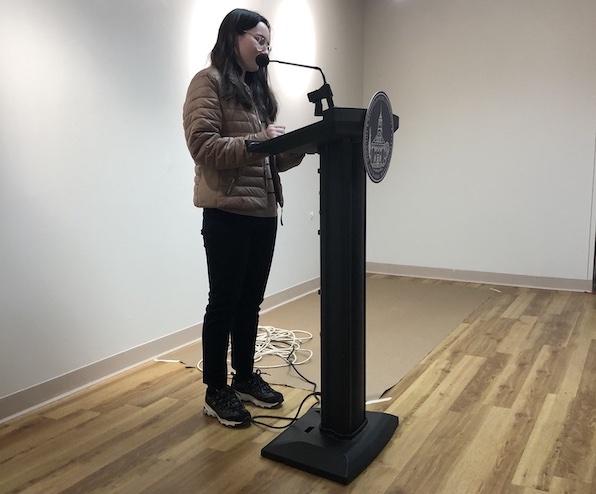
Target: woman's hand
[[275, 130]]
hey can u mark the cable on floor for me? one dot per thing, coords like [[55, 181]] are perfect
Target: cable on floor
[[287, 345], [283, 343]]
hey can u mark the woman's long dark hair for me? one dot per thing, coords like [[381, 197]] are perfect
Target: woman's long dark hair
[[223, 58]]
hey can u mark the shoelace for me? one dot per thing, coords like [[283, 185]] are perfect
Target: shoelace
[[260, 382], [227, 397]]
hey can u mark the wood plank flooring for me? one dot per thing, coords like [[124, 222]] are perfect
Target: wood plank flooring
[[506, 404]]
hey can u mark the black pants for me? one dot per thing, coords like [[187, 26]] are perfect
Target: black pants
[[239, 253]]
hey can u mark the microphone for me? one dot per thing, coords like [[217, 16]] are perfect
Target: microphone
[[316, 97], [263, 60]]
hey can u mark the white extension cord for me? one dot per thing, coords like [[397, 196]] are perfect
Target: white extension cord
[[284, 343]]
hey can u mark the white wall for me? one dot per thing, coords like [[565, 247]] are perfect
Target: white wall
[[100, 245], [101, 248], [493, 164]]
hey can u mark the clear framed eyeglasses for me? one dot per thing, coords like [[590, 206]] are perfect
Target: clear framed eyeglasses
[[261, 41]]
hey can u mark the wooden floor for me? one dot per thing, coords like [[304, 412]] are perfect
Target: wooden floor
[[507, 404]]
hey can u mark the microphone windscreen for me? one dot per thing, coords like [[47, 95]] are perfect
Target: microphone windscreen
[[262, 60]]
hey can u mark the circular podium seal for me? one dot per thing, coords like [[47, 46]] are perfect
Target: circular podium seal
[[377, 138]]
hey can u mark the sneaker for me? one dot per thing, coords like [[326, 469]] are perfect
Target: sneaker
[[257, 391], [224, 405]]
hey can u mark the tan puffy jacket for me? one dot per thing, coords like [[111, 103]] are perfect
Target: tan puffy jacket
[[226, 175]]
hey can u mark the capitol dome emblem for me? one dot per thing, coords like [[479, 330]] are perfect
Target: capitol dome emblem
[[377, 136]]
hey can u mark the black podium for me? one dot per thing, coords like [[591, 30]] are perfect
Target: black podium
[[339, 440]]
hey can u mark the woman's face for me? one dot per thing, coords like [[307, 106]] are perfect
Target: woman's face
[[250, 44]]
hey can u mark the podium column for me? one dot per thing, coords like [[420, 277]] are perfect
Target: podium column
[[343, 234], [341, 438]]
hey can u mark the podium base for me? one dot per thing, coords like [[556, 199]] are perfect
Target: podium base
[[304, 446]]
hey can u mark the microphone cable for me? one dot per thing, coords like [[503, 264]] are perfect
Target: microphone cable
[[291, 420], [285, 344]]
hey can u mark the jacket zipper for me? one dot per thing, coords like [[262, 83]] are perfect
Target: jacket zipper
[[229, 189]]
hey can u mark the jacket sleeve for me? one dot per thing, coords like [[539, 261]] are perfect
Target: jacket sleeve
[[285, 161], [202, 115]]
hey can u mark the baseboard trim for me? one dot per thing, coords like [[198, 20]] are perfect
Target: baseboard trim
[[39, 395], [45, 393], [565, 284]]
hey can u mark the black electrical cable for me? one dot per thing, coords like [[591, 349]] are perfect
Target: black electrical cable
[[291, 419], [315, 393], [314, 389]]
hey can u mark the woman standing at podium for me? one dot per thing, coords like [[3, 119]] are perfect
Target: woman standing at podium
[[226, 104]]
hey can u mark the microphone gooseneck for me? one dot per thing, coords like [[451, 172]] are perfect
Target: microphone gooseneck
[[324, 92], [263, 60]]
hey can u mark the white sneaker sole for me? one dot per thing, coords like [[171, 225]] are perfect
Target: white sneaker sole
[[228, 423], [255, 401]]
